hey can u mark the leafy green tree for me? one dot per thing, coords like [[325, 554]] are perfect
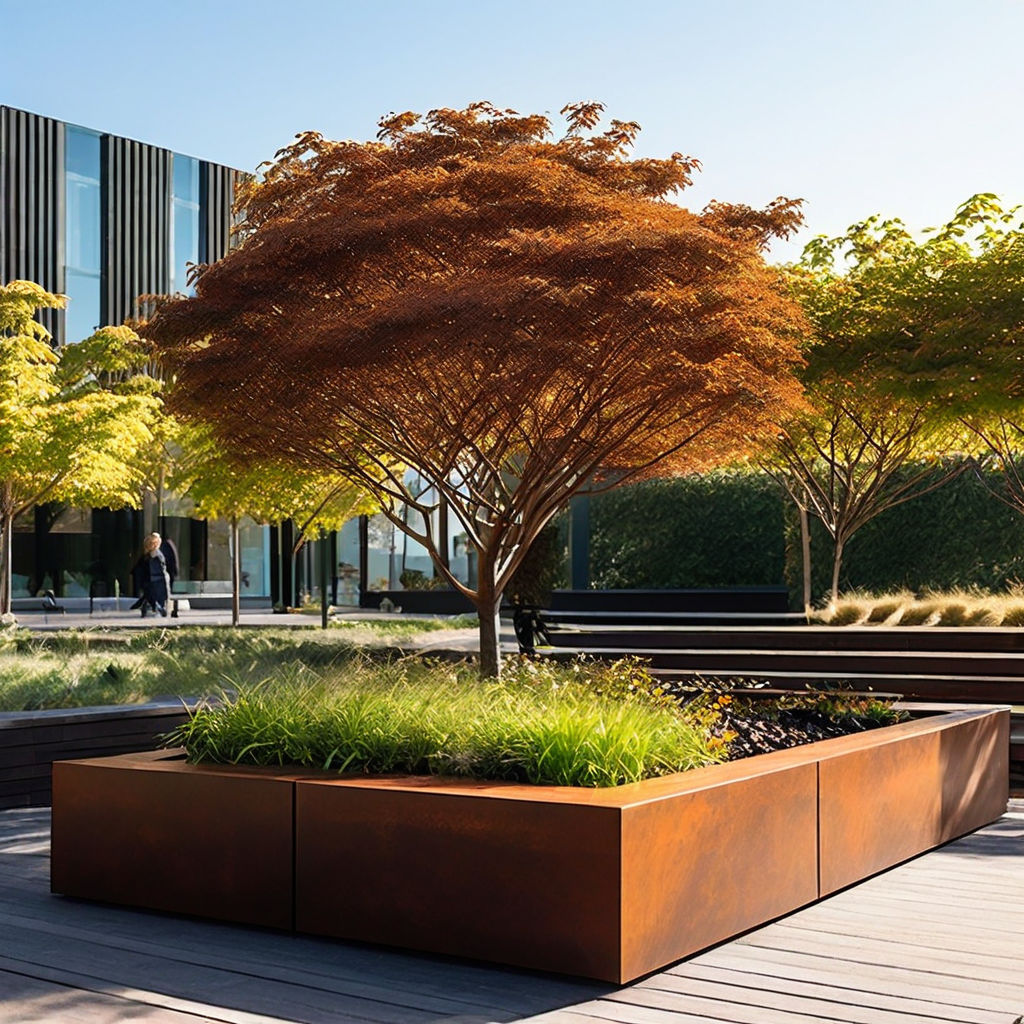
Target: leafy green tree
[[73, 421], [916, 365], [223, 487]]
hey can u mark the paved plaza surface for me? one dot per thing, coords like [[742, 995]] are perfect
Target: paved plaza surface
[[448, 639], [938, 939]]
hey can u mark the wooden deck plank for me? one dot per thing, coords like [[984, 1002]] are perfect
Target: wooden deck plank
[[30, 1000], [930, 941], [952, 962], [907, 999], [897, 979]]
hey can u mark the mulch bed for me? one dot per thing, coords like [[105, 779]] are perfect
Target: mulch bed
[[761, 733], [760, 725]]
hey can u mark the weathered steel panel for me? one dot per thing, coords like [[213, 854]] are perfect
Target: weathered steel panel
[[890, 794], [519, 881], [148, 831], [702, 866]]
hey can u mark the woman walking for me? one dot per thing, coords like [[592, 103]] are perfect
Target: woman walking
[[152, 583]]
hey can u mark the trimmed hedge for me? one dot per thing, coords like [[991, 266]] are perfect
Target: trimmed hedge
[[716, 530], [737, 529]]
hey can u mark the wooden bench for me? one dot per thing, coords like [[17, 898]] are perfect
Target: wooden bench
[[960, 665]]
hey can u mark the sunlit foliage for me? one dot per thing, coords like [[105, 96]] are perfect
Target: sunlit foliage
[[74, 421], [513, 316]]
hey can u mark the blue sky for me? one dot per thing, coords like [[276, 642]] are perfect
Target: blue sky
[[905, 107]]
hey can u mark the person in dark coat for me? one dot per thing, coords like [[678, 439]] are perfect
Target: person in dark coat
[[170, 552], [152, 583]]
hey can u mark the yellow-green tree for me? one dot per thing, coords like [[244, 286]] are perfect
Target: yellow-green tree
[[73, 421], [917, 364], [268, 491]]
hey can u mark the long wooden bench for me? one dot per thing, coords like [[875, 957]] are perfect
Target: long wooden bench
[[30, 741], [970, 665]]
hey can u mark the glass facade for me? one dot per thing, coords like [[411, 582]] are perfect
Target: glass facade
[[184, 221], [397, 562], [83, 236], [76, 551]]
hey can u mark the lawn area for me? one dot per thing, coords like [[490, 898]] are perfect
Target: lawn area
[[93, 667]]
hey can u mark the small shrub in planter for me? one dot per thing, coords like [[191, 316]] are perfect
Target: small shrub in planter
[[587, 724], [543, 724]]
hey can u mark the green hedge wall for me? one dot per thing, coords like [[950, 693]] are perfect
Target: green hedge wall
[[733, 529], [959, 535], [716, 530]]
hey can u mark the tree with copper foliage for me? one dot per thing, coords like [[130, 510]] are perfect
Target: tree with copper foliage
[[511, 316]]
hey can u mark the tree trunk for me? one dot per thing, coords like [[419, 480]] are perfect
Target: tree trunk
[[324, 602], [488, 603], [805, 552], [837, 562], [6, 560], [236, 573]]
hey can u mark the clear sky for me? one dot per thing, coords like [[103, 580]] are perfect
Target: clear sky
[[903, 107]]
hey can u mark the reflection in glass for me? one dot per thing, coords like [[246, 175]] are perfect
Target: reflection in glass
[[254, 541], [186, 178], [185, 222], [83, 312], [83, 220], [83, 232], [81, 152], [347, 569]]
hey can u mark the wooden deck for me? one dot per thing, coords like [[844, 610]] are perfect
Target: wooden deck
[[938, 939]]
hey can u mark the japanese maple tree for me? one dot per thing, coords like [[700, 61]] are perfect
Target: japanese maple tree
[[510, 315]]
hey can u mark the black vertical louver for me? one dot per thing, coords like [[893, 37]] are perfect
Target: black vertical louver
[[32, 204], [137, 217], [216, 194]]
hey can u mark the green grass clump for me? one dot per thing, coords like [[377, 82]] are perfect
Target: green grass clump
[[540, 724]]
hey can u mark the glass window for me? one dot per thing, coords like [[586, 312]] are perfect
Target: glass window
[[83, 219], [83, 313], [347, 568], [186, 178], [395, 560], [185, 221], [82, 152], [83, 257], [254, 540]]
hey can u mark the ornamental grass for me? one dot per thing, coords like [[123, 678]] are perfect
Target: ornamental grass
[[540, 724], [954, 607]]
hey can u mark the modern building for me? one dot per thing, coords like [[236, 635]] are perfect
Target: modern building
[[105, 219]]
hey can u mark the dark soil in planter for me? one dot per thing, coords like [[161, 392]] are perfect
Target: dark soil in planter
[[760, 733], [760, 725]]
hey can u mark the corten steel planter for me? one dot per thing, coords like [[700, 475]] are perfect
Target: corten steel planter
[[883, 801], [607, 883], [151, 831]]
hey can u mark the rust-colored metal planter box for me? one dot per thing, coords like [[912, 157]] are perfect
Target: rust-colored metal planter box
[[151, 831], [609, 883]]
